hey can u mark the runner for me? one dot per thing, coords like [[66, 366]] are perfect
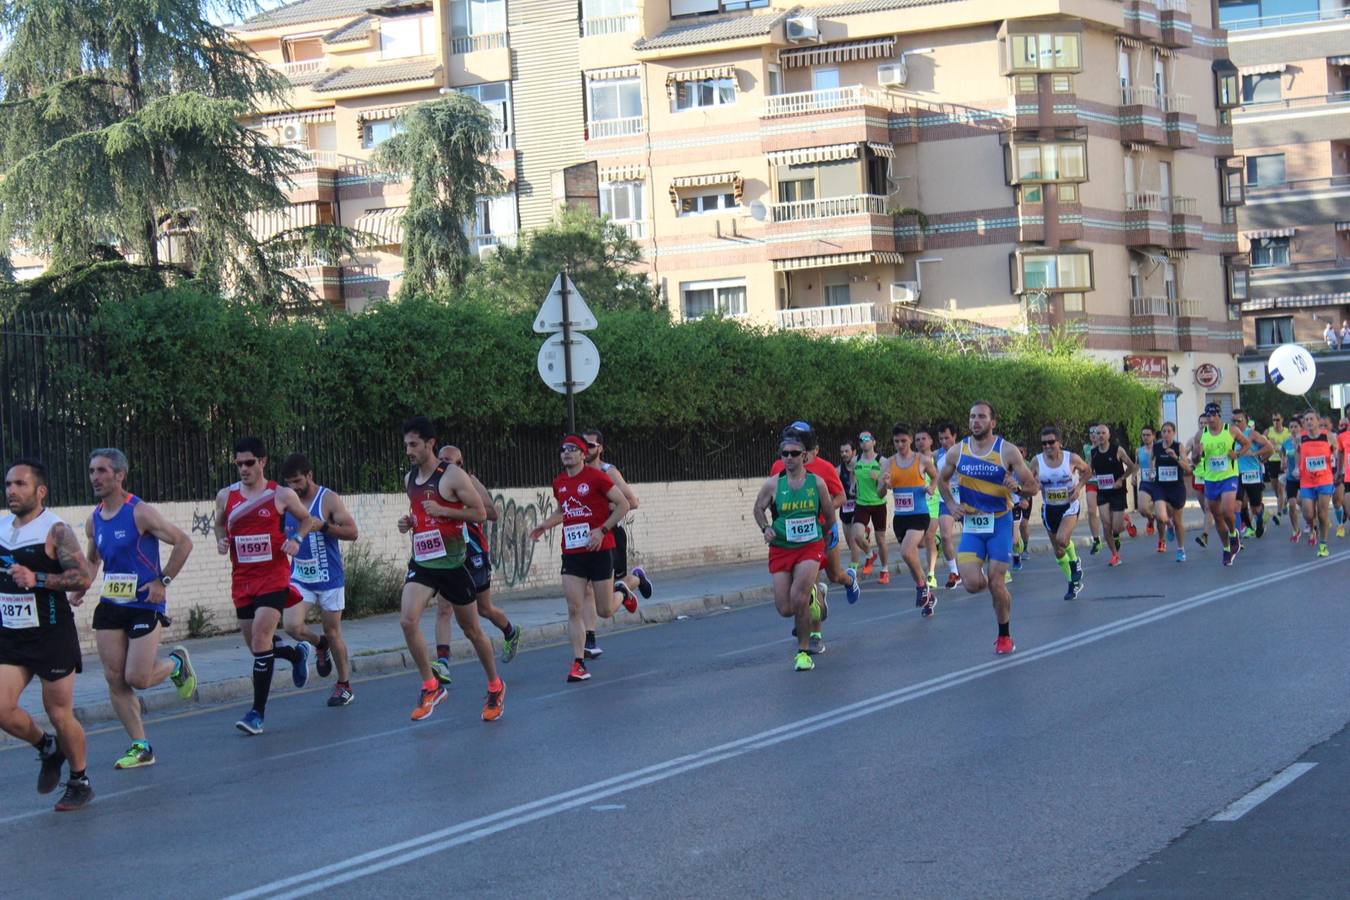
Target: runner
[[1278, 436], [923, 443], [1289, 466], [1062, 476], [590, 505], [947, 521], [987, 468], [1316, 479], [441, 500], [904, 473], [1094, 516], [1021, 513], [1111, 466], [479, 563], [802, 513], [124, 534], [1251, 467], [871, 509], [1169, 496], [248, 528], [1343, 486], [1143, 482], [317, 574], [627, 585], [1215, 450], [847, 455], [1198, 486], [40, 560]]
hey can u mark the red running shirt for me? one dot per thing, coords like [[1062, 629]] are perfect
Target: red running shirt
[[255, 531], [585, 507]]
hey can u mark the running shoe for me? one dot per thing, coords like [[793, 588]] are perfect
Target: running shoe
[[1181, 556], [1171, 534], [300, 668], [1162, 545], [820, 607], [323, 660], [251, 723], [1129, 526], [1312, 537], [1149, 530], [428, 701], [492, 707], [440, 669], [644, 583], [1007, 578], [1227, 557], [803, 662], [1322, 550], [1115, 560], [1004, 644], [52, 759], [1077, 588], [511, 644], [341, 696], [1017, 562], [867, 566], [930, 605], [815, 643], [932, 580], [184, 677], [1294, 538], [953, 579], [1202, 539], [1115, 542], [137, 755], [1249, 532], [1069, 592], [1236, 546], [1096, 546], [884, 577], [1260, 526], [1340, 531], [1275, 520], [77, 796], [578, 672], [629, 601], [920, 595], [592, 649], [853, 591]]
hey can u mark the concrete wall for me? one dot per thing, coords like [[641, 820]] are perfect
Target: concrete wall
[[679, 524]]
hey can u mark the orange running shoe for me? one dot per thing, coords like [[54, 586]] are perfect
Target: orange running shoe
[[1004, 644], [884, 577], [867, 566], [429, 701], [492, 708]]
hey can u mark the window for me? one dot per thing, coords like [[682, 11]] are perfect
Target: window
[[373, 134], [705, 92], [302, 49], [697, 204], [496, 96], [706, 7], [403, 36], [702, 298], [824, 79], [1170, 281], [621, 200], [1274, 331], [470, 17], [1044, 52], [621, 99], [482, 217], [1136, 280], [1261, 88], [1068, 193], [1264, 171], [1270, 252], [775, 80], [1237, 280], [1047, 162], [1226, 94], [1030, 193], [1054, 272], [796, 190], [1231, 191], [606, 9], [837, 295]]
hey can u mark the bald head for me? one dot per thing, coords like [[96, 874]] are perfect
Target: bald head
[[449, 453]]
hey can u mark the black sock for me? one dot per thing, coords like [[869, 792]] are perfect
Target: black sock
[[322, 646], [590, 636], [1003, 629], [288, 652], [263, 663], [579, 661], [78, 776], [442, 651], [506, 632]]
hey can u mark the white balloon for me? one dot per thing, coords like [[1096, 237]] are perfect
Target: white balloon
[[1292, 369]]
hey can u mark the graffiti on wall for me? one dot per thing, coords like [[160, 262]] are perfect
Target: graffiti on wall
[[509, 536], [201, 524]]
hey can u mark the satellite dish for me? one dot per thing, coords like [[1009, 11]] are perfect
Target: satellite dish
[[758, 211]]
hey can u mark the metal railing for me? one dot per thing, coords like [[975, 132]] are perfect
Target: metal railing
[[634, 228], [828, 207], [1154, 201], [1338, 263], [1173, 6], [609, 25], [1148, 95], [608, 128], [1170, 307], [1298, 18], [852, 95], [300, 67], [852, 314], [471, 43], [1332, 99], [1300, 184]]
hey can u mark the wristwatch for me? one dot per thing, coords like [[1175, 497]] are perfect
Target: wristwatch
[[604, 529], [165, 580]]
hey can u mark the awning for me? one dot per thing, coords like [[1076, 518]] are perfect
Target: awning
[[613, 74], [1264, 69], [885, 151], [1343, 226], [1164, 52], [1338, 60], [1158, 259], [1132, 147], [633, 172], [383, 112], [1268, 233], [269, 223], [692, 181], [885, 257], [298, 117], [846, 51], [1128, 42], [705, 74], [808, 155], [386, 223]]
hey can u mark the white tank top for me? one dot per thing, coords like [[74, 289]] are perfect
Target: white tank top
[[1058, 481]]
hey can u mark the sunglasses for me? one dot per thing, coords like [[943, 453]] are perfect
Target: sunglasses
[[245, 463], [569, 448], [790, 453], [592, 444], [1050, 443]]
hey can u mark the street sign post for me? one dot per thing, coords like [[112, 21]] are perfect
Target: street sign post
[[563, 313]]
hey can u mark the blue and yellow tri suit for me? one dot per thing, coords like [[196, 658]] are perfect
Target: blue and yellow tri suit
[[986, 534]]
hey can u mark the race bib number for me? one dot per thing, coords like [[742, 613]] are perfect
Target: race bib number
[[904, 503], [1150, 474], [980, 523], [576, 536], [428, 545], [1057, 496], [253, 548], [1251, 477], [850, 506], [802, 530], [1167, 473], [1106, 482], [119, 588], [18, 611], [307, 571], [1317, 463], [1218, 463]]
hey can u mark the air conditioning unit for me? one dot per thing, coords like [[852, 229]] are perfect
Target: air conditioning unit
[[802, 28], [905, 292], [486, 250], [295, 135], [892, 73]]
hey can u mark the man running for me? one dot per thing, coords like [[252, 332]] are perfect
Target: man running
[[627, 585], [1251, 466], [802, 514], [479, 563], [871, 509], [1215, 451], [441, 500], [590, 505], [908, 473], [923, 443], [1143, 481], [1111, 467], [1289, 478], [1316, 479], [1277, 434], [249, 529], [1171, 467], [317, 574], [987, 468], [1343, 488], [40, 560], [946, 520], [124, 534], [1062, 475], [1094, 516], [1198, 486], [847, 455]]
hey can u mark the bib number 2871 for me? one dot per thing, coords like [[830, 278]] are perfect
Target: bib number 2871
[[18, 610]]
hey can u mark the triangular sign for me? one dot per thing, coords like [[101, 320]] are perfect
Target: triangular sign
[[550, 317]]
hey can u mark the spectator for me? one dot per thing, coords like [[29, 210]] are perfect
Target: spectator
[[1345, 334], [1329, 335]]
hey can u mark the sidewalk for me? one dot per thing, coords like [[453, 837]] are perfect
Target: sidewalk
[[376, 643]]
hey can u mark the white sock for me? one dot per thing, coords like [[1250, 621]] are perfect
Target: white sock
[[951, 565]]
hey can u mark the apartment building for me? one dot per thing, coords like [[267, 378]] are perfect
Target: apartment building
[[845, 167]]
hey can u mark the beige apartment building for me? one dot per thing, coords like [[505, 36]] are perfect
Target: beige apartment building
[[843, 167]]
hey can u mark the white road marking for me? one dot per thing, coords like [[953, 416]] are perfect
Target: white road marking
[[1245, 804], [608, 807], [382, 858]]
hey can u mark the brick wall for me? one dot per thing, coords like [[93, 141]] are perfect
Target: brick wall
[[678, 525]]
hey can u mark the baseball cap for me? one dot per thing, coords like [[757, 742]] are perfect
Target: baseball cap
[[866, 436], [1213, 409]]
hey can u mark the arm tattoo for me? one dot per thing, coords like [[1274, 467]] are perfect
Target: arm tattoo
[[74, 574]]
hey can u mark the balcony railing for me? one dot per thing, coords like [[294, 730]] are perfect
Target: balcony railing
[[1169, 307], [1301, 184], [609, 25], [1153, 201], [835, 316], [828, 207], [800, 102], [1174, 6], [1331, 99], [1338, 263], [300, 67], [634, 228], [1147, 95], [608, 128], [1298, 18], [471, 43]]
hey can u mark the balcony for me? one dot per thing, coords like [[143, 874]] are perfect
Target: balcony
[[1311, 282], [820, 122], [1174, 20], [828, 208], [1166, 307], [1166, 323], [612, 128], [857, 318], [1285, 19], [1152, 201], [602, 25], [1153, 219], [473, 43], [1150, 116], [1306, 201], [300, 67], [635, 228], [1319, 117]]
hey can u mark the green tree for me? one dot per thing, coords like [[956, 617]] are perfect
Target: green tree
[[121, 139], [445, 148], [600, 257]]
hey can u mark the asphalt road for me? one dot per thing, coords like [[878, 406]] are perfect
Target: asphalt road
[[911, 762]]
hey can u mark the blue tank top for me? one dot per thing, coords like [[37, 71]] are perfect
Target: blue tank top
[[130, 559], [1146, 468], [318, 565], [1248, 462], [981, 478]]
